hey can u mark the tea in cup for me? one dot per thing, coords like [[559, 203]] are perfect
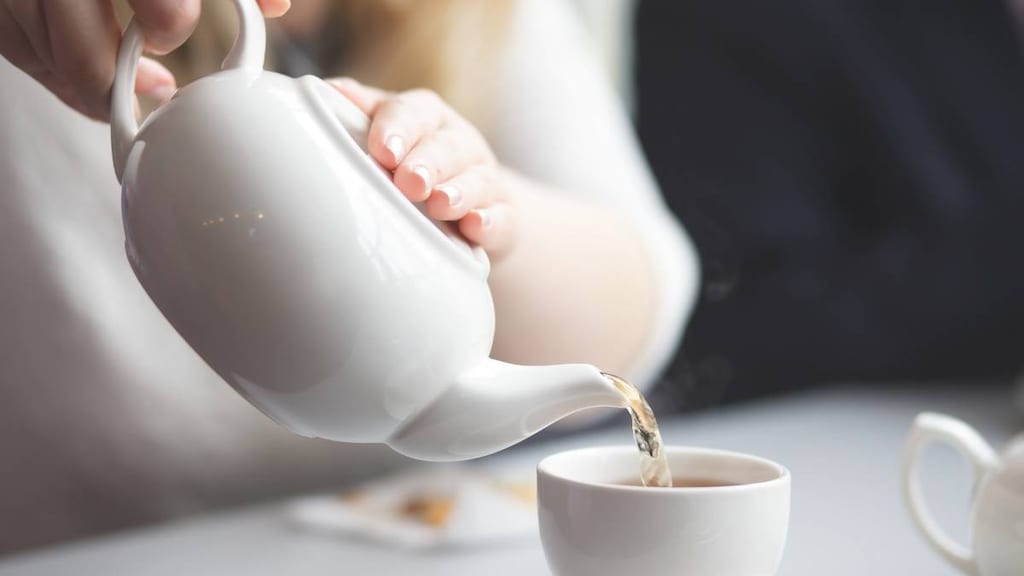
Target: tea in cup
[[726, 514]]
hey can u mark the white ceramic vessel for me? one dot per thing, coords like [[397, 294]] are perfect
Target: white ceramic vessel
[[287, 259], [997, 512], [593, 525]]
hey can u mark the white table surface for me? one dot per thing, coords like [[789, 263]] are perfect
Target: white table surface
[[843, 446]]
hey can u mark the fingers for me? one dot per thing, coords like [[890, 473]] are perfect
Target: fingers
[[31, 27], [453, 199], [415, 135], [435, 156], [166, 24], [399, 123], [70, 46], [84, 39], [491, 228], [25, 32], [454, 148], [274, 8], [155, 81], [16, 45], [483, 216]]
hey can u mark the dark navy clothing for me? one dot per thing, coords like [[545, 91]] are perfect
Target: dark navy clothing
[[853, 174]]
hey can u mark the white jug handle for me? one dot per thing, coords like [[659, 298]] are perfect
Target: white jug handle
[[247, 54], [928, 428]]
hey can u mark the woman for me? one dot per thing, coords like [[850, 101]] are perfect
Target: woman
[[112, 420]]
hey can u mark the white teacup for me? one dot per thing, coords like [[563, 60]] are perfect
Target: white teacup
[[592, 523]]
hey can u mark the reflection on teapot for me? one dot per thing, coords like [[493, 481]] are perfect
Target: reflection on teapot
[[997, 512], [289, 262]]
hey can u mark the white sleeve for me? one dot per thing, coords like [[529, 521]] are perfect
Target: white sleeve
[[557, 119]]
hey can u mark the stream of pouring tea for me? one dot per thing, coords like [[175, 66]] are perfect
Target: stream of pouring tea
[[654, 470]]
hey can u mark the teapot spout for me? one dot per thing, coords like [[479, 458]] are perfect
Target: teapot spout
[[496, 405]]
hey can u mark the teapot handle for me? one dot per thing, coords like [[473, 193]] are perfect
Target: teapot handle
[[928, 428], [247, 54]]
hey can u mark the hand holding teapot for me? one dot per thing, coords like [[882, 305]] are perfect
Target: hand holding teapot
[[291, 263], [436, 157], [72, 51]]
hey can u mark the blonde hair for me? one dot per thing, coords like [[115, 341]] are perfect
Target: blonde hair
[[449, 46]]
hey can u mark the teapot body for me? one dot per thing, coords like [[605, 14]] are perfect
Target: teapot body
[[289, 262]]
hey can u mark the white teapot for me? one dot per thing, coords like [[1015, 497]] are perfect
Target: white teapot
[[287, 259], [997, 511]]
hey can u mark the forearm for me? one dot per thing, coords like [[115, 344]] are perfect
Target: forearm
[[577, 284]]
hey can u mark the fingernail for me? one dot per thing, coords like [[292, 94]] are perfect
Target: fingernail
[[278, 10], [453, 194], [396, 146], [423, 174], [485, 218]]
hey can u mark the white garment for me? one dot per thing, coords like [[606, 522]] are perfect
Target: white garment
[[108, 419], [557, 119]]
